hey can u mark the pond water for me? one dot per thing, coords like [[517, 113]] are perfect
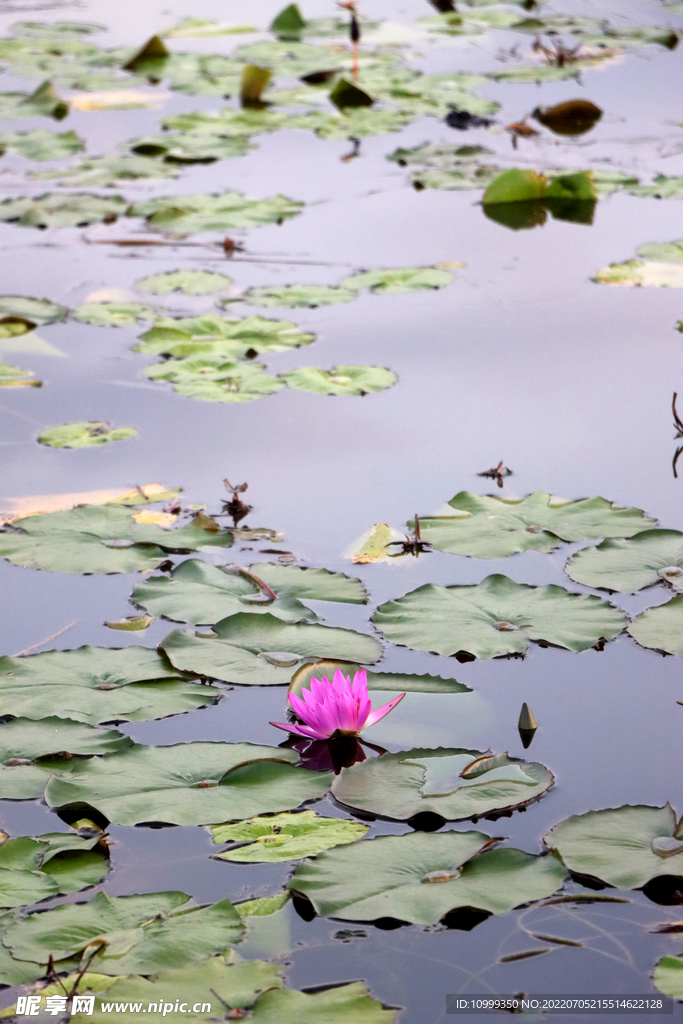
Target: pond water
[[522, 357]]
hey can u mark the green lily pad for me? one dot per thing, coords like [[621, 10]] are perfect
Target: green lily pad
[[142, 933], [189, 282], [375, 545], [452, 783], [43, 102], [661, 187], [105, 171], [485, 526], [661, 628], [625, 846], [211, 334], [263, 906], [393, 681], [262, 650], [59, 211], [662, 252], [98, 684], [357, 123], [230, 123], [51, 865], [390, 877], [641, 273], [113, 314], [197, 28], [397, 282], [654, 556], [210, 378], [514, 186], [199, 593], [41, 145], [497, 617], [188, 783], [668, 976], [14, 377], [41, 29], [340, 380], [186, 214], [84, 435], [29, 750], [284, 837], [297, 296], [99, 539], [38, 311], [190, 148]]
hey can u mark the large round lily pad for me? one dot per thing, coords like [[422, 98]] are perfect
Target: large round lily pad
[[624, 846], [212, 334], [141, 934], [189, 282], [655, 556], [98, 684], [661, 628], [30, 750], [668, 976], [451, 782], [51, 865], [485, 526], [284, 837], [421, 876], [99, 539], [497, 617], [188, 783], [392, 681], [262, 650], [197, 592]]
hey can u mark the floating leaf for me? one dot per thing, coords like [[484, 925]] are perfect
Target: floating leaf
[[284, 837], [84, 435], [210, 378], [394, 681], [665, 252], [212, 334], [58, 211], [42, 29], [188, 783], [497, 617], [98, 684], [197, 28], [17, 508], [624, 846], [572, 117], [98, 539], [197, 592], [141, 933], [14, 377], [189, 213], [97, 172], [296, 296], [340, 380], [189, 282], [668, 976], [261, 650], [453, 783], [113, 314], [190, 148], [132, 623], [515, 186], [655, 556], [485, 526], [51, 865], [397, 282], [43, 102], [389, 877], [356, 123], [29, 750], [661, 628], [373, 546], [41, 145], [38, 311]]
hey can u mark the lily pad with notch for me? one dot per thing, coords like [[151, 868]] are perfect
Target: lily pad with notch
[[629, 565], [187, 214], [34, 869], [29, 750], [283, 837], [188, 282], [486, 526], [127, 934], [497, 617], [454, 784], [188, 783], [98, 684], [420, 878], [100, 539], [625, 846], [661, 628], [214, 334], [199, 593], [251, 650]]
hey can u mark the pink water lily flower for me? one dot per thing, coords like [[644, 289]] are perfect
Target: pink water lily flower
[[339, 707]]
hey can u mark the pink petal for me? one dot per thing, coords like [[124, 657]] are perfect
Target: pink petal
[[378, 713], [300, 730]]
